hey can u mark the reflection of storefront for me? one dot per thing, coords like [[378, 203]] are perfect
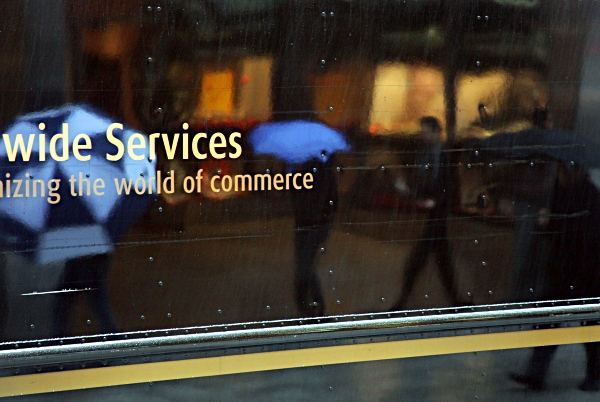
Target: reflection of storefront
[[341, 96], [403, 93], [238, 96]]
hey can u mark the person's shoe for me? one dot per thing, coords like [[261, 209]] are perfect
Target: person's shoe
[[590, 385], [532, 383]]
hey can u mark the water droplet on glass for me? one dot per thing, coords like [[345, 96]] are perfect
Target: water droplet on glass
[[149, 8], [530, 290], [32, 326], [159, 209], [331, 14], [487, 17], [330, 272], [490, 292], [476, 153], [382, 299], [87, 175], [469, 166], [331, 108], [151, 259], [476, 242], [315, 304], [158, 9], [219, 172], [330, 202], [383, 168], [159, 110], [314, 170], [160, 283], [322, 249], [571, 287], [531, 164], [483, 263], [478, 63], [142, 174], [322, 62], [426, 297], [268, 171], [169, 315], [479, 17], [331, 388], [149, 59], [89, 322], [323, 14], [469, 294], [268, 307], [339, 168], [338, 302], [219, 311], [572, 163]]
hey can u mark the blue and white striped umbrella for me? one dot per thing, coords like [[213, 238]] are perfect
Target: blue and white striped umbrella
[[75, 226]]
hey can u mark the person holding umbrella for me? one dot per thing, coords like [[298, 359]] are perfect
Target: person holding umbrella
[[434, 186], [306, 147], [573, 221], [572, 270], [76, 232]]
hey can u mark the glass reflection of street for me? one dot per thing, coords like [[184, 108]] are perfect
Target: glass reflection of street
[[364, 73]]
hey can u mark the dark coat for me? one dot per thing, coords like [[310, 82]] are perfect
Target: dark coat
[[574, 266]]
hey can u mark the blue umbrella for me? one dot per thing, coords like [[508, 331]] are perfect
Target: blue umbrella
[[297, 141], [75, 226], [556, 144]]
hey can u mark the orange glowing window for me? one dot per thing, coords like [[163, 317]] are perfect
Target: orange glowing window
[[217, 95], [340, 96]]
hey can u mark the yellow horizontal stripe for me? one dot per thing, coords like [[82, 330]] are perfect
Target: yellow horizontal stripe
[[285, 359]]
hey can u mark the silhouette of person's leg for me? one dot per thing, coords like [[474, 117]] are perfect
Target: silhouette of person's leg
[[445, 264], [592, 373], [523, 275], [414, 265], [314, 212], [3, 298], [96, 271], [80, 273], [64, 301], [538, 368], [307, 284], [540, 361]]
